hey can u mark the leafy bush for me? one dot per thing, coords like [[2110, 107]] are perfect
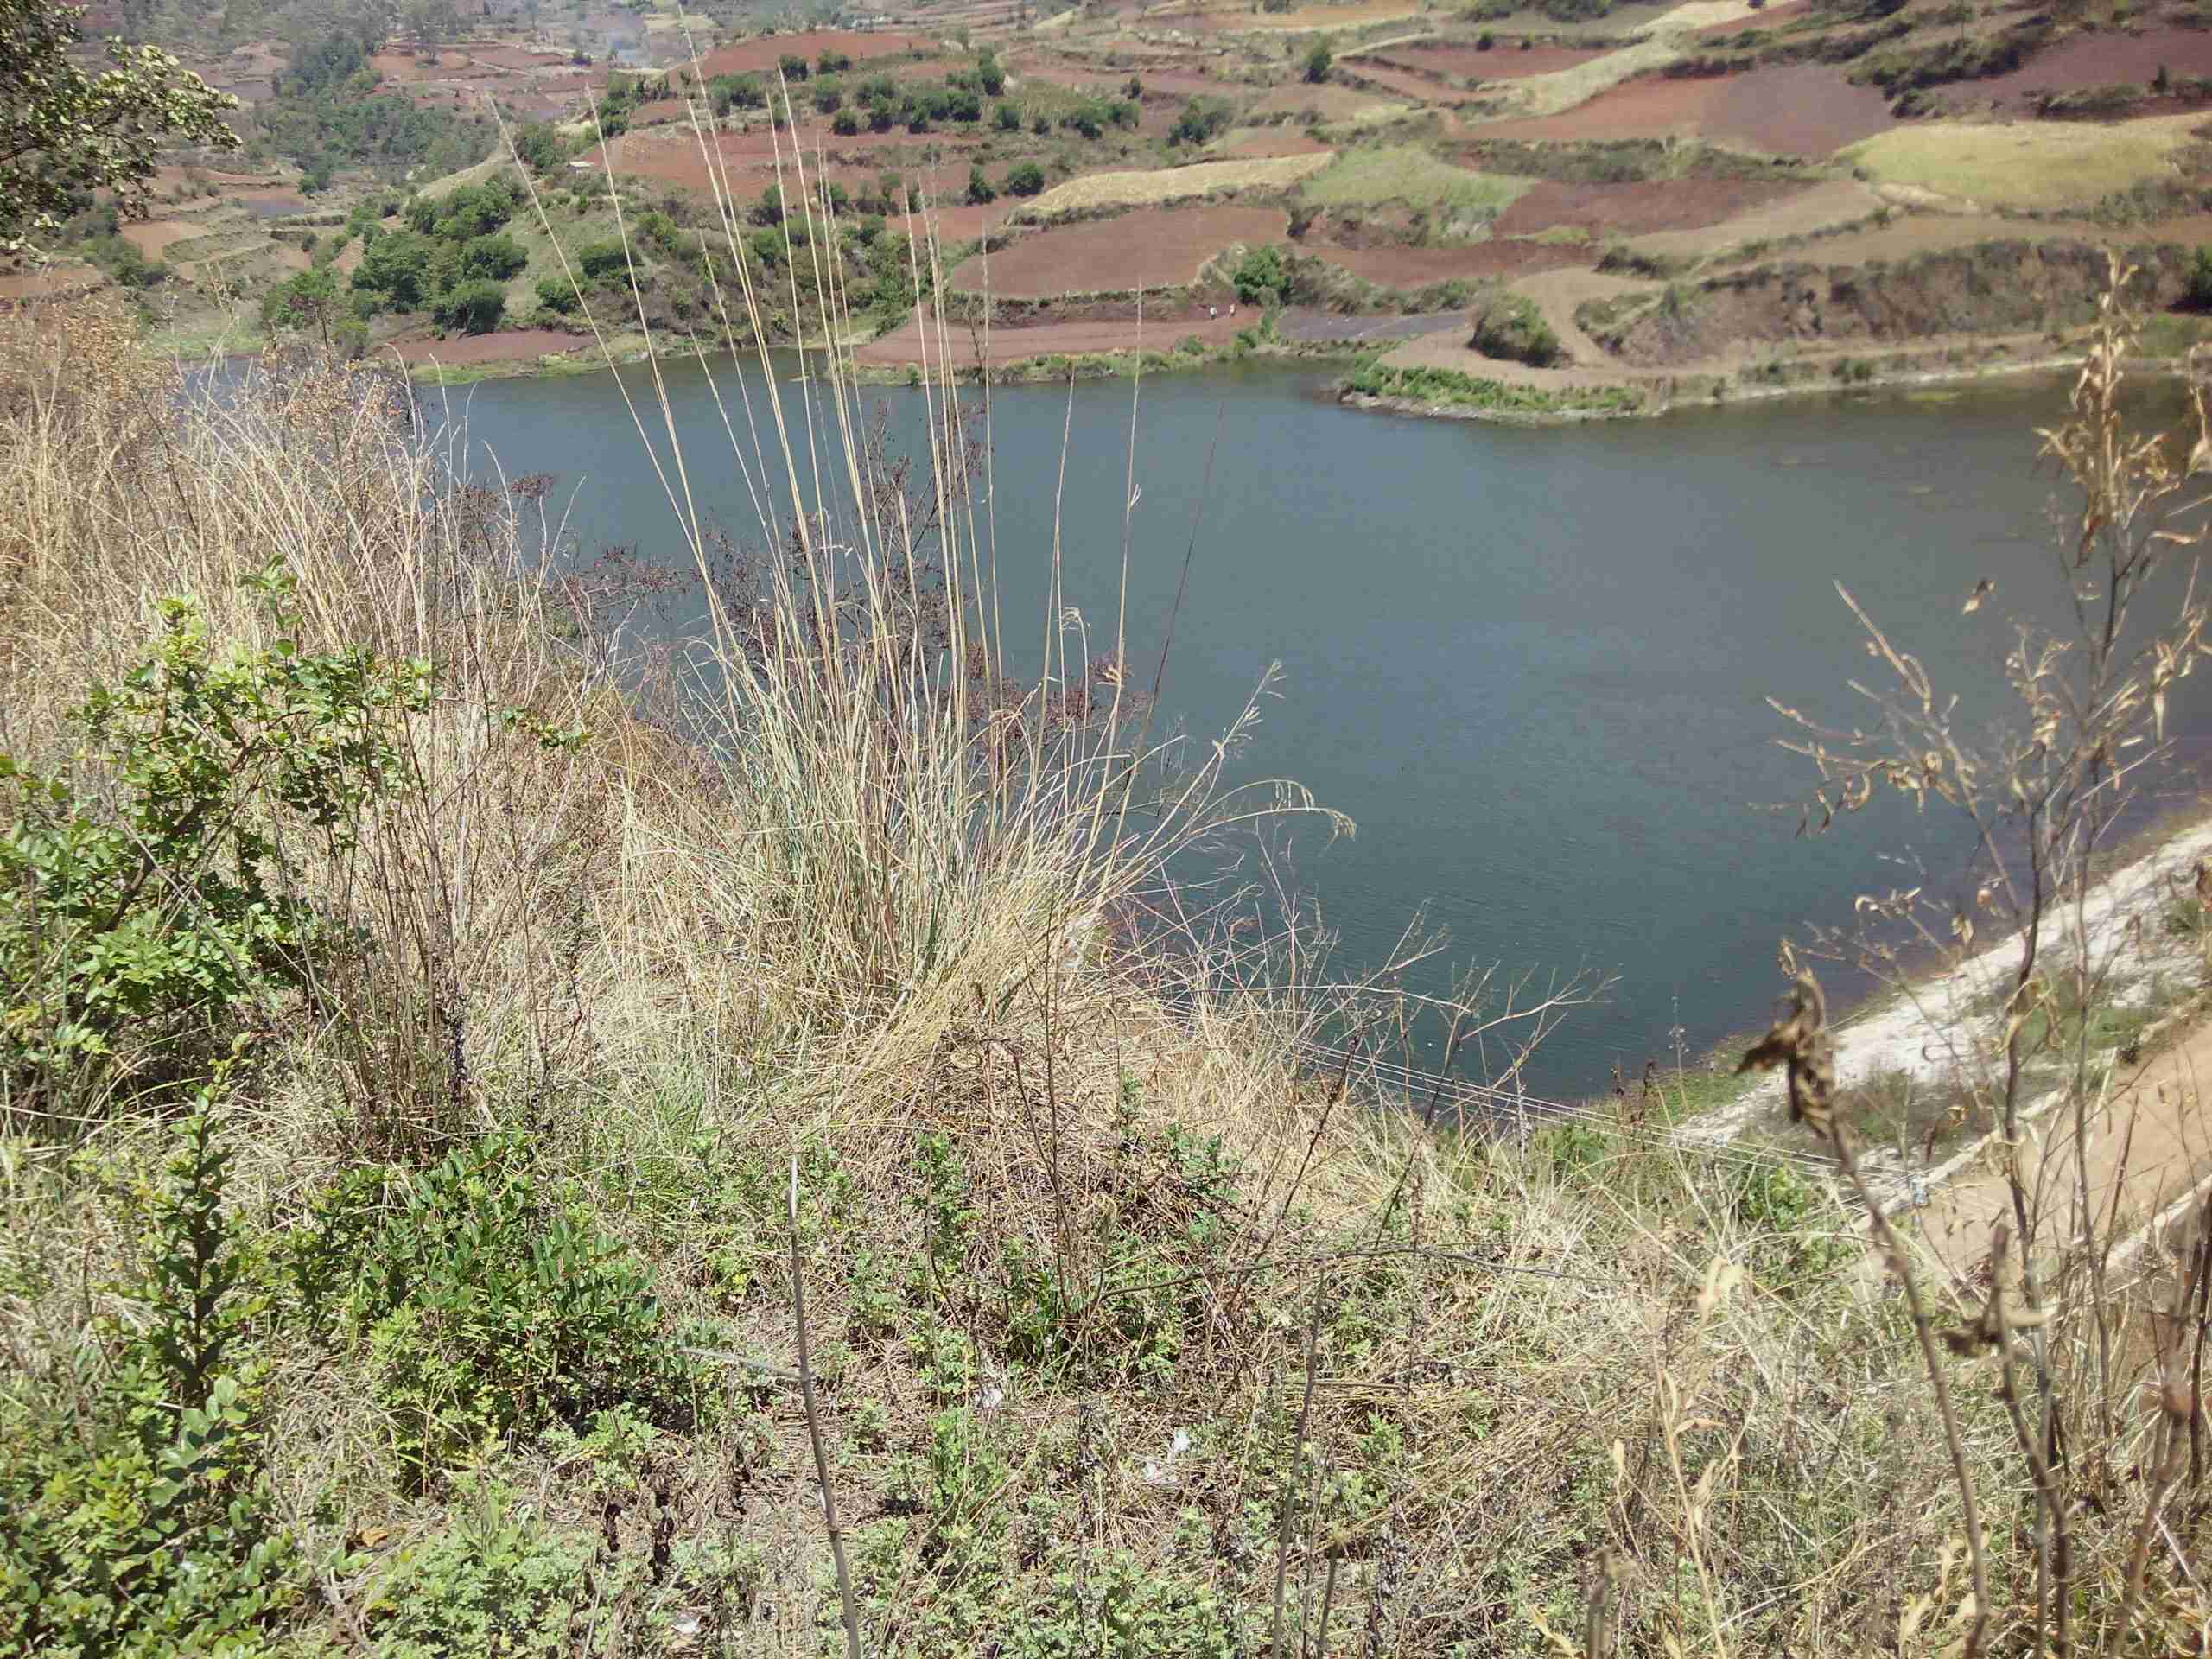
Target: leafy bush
[[599, 259], [474, 308], [1024, 178], [395, 269], [136, 1517], [493, 257], [979, 190], [1320, 60], [1202, 119], [1261, 276], [1515, 330], [558, 294], [495, 1583], [2197, 292], [1007, 117], [846, 124], [144, 912], [488, 1310]]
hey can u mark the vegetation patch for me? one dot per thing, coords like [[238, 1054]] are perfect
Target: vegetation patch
[[1106, 191], [1450, 389], [1373, 175], [2026, 164]]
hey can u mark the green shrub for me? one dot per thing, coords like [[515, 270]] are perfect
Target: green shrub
[[136, 1517], [2197, 293], [473, 307], [1201, 120], [495, 1583], [136, 917], [1320, 60], [1515, 330], [598, 259], [1261, 276], [846, 124], [494, 258], [488, 1310], [558, 294], [1024, 178], [980, 190]]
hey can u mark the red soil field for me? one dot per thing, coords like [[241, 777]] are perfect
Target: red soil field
[[1806, 109], [2098, 60], [153, 238], [1418, 267], [1501, 63], [16, 286], [1766, 19], [1158, 332], [514, 57], [1403, 83], [671, 154], [1789, 110], [522, 345], [1633, 209], [1260, 142], [749, 57], [1157, 247]]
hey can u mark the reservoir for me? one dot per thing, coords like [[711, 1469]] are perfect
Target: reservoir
[[1532, 665]]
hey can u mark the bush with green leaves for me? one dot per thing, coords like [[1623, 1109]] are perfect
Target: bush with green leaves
[[136, 1517], [1202, 120], [143, 904], [1261, 276], [493, 258], [497, 1581], [2198, 294], [489, 1309], [1024, 178], [1513, 329], [472, 308]]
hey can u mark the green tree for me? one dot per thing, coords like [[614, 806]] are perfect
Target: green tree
[[1319, 60], [1262, 276], [1025, 180], [396, 270], [2199, 291], [493, 257], [310, 303], [65, 130], [1008, 118], [979, 188], [474, 308]]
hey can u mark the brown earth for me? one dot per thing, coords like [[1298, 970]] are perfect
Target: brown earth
[[2145, 1149], [1797, 108], [1499, 63], [517, 346], [1766, 19], [2009, 286], [152, 238], [1331, 103], [1787, 110], [750, 57], [1404, 83], [674, 158], [1158, 332], [1632, 209], [1418, 267], [2080, 61], [1258, 144], [515, 57], [1804, 211], [1157, 247], [47, 282]]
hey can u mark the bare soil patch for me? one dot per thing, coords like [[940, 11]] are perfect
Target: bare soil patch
[[1803, 213], [1158, 332], [1500, 63], [1261, 144], [517, 345], [1634, 209], [47, 282], [1153, 248], [1806, 109], [2080, 61], [1404, 83], [514, 57], [1654, 107], [749, 57], [1418, 267], [152, 238], [1331, 103]]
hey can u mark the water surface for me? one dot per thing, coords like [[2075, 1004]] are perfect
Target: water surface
[[1531, 664]]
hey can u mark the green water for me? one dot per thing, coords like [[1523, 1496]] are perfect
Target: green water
[[1531, 665]]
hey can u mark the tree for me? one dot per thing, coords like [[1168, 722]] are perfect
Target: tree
[[1008, 118], [2198, 293], [845, 123], [474, 308], [794, 67], [1262, 277], [309, 302], [538, 148], [1319, 61], [395, 269], [65, 131], [979, 188], [990, 79], [496, 257], [1025, 180]]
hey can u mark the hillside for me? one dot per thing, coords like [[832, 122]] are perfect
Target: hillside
[[442, 1046]]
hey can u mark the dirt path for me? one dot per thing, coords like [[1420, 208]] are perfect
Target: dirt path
[[2147, 1144]]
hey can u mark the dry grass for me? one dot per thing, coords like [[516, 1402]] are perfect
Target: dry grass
[[1100, 191], [1372, 175], [2025, 164], [1106, 1286]]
